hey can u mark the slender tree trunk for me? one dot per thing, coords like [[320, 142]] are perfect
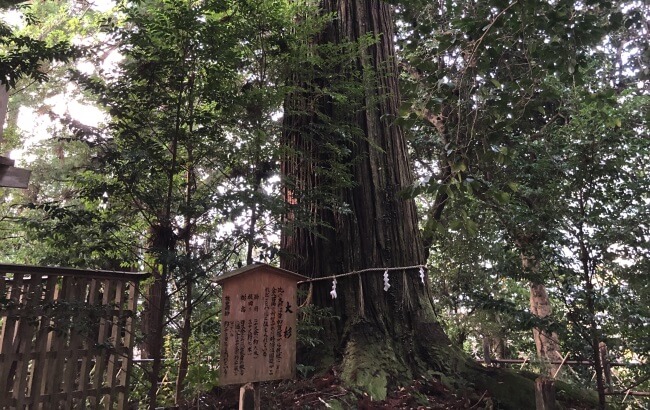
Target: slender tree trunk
[[252, 228], [186, 330], [161, 252], [153, 317], [547, 343], [186, 333], [591, 313], [496, 342], [595, 344], [382, 336]]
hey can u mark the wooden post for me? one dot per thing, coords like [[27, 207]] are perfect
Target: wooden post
[[607, 369], [10, 176], [4, 102], [544, 394], [249, 396], [561, 364]]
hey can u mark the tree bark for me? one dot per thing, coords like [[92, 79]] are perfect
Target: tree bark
[[546, 343], [155, 301], [545, 394], [594, 334], [185, 334], [344, 167], [382, 337], [186, 330]]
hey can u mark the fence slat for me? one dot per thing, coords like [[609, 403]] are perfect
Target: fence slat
[[40, 347], [127, 362], [117, 340], [7, 340], [78, 296], [58, 343], [38, 353], [102, 339], [3, 285], [607, 370], [84, 372], [25, 335]]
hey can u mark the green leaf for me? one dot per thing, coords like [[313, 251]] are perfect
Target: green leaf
[[404, 109], [459, 167], [502, 197], [472, 227]]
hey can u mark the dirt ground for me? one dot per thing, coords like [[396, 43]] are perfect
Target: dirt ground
[[326, 392]]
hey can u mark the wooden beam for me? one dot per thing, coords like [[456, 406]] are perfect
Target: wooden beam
[[6, 4], [568, 362], [12, 177], [7, 161], [629, 393], [49, 270]]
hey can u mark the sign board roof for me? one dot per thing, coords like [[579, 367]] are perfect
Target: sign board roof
[[258, 267]]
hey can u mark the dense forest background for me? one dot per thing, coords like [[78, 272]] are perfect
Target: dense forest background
[[157, 130]]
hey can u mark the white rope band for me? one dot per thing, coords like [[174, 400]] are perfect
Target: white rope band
[[356, 272]]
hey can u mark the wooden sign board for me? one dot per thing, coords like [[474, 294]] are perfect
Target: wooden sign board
[[12, 177], [258, 324]]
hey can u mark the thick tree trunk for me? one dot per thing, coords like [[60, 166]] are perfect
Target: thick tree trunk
[[382, 336], [548, 347], [345, 164]]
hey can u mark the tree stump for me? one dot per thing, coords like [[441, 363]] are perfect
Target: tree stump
[[545, 394]]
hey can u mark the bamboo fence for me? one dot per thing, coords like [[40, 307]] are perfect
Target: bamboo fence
[[66, 337]]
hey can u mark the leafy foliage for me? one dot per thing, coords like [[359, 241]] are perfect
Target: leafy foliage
[[23, 55], [525, 118]]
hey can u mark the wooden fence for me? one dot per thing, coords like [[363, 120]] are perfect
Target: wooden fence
[[607, 366], [66, 337]]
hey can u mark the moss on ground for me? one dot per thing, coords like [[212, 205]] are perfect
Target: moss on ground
[[374, 371]]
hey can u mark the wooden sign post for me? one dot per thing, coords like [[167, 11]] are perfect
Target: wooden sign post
[[258, 326], [10, 176]]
